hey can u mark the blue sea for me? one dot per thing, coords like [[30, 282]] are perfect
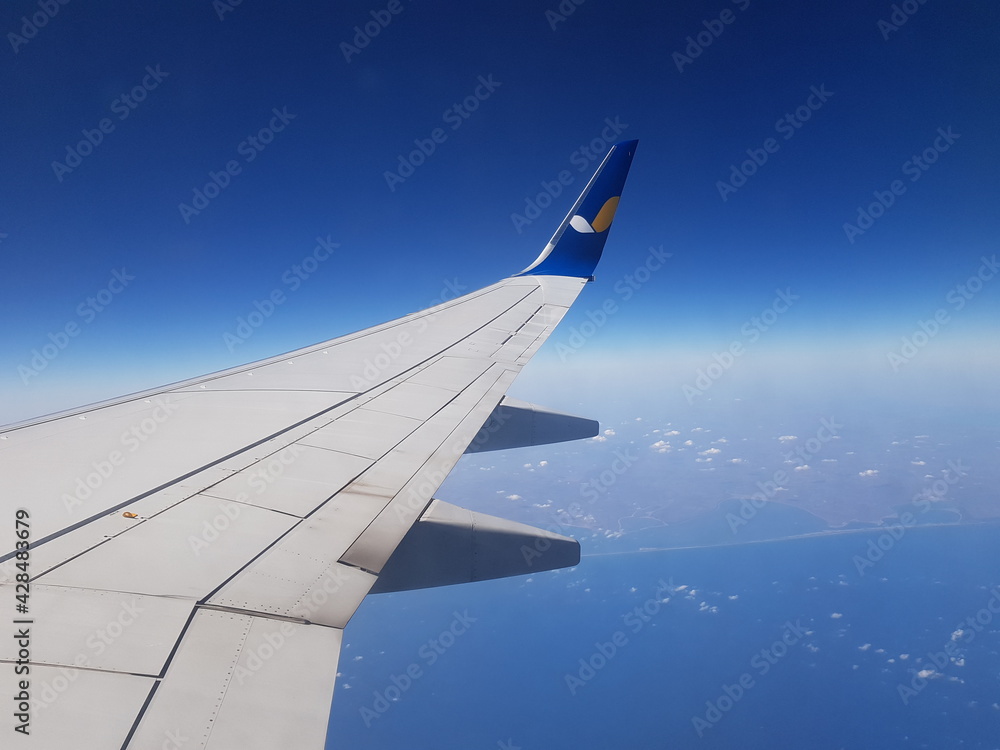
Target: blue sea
[[816, 642]]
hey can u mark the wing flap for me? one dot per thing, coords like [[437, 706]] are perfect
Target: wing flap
[[65, 703], [455, 430], [103, 630], [239, 681], [301, 577]]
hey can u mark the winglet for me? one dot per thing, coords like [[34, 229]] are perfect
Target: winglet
[[576, 252]]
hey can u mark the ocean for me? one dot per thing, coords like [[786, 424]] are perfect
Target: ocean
[[818, 642]]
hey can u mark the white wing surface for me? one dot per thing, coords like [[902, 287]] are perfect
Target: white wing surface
[[194, 552]]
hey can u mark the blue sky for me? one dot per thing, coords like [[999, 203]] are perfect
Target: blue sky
[[823, 108]]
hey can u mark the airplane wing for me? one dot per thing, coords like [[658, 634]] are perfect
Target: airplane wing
[[184, 560]]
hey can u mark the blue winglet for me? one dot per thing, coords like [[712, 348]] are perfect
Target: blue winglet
[[579, 241]]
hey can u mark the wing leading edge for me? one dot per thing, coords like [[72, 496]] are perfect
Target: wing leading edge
[[193, 587]]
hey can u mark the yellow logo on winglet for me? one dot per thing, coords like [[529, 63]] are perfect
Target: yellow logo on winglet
[[601, 222]]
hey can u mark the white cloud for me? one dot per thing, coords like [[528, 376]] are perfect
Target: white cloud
[[868, 473], [672, 433], [610, 432], [710, 452], [514, 497], [836, 616], [660, 446], [865, 647], [543, 463], [919, 463], [738, 461], [787, 438]]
